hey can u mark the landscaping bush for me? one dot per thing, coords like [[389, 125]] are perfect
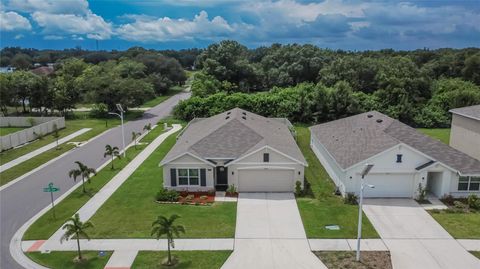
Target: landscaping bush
[[448, 199], [232, 189], [298, 188], [165, 195], [459, 205], [473, 201], [350, 199]]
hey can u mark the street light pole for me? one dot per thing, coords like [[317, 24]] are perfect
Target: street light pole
[[365, 171], [119, 107]]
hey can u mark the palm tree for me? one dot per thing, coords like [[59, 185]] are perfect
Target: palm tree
[[82, 171], [134, 138], [147, 127], [164, 226], [113, 152], [74, 226]]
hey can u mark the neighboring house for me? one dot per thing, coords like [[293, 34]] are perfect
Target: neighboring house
[[465, 132], [237, 147], [43, 71], [402, 157]]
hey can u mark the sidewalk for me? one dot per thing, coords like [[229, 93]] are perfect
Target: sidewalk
[[41, 150], [89, 209]]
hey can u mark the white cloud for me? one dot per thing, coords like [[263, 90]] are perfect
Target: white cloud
[[19, 36], [145, 28], [49, 6], [12, 21], [53, 37], [91, 25]]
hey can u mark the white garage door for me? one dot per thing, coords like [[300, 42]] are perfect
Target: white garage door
[[389, 185], [265, 180]]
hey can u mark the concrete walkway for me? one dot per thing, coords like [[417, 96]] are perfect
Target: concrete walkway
[[269, 234], [89, 208], [414, 238], [41, 150]]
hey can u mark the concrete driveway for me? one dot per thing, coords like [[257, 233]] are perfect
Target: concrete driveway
[[414, 238], [270, 234]]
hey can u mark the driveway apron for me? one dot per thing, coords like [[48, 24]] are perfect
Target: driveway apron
[[414, 238], [270, 234]]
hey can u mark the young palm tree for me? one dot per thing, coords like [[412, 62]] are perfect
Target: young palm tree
[[134, 138], [82, 171], [113, 152], [164, 226], [147, 127], [76, 227]]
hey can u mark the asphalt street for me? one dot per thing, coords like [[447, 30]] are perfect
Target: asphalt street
[[22, 200]]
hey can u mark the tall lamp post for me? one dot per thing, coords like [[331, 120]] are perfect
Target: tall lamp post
[[119, 108], [365, 171]]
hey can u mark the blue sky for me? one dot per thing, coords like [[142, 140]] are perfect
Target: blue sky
[[176, 24]]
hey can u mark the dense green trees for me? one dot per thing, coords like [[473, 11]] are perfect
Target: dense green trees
[[130, 82], [416, 87]]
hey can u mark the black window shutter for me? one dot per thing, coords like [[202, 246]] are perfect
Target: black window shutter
[[173, 177], [203, 177]]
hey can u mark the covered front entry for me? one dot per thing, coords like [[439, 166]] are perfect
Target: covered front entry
[[389, 185], [221, 174], [265, 180]]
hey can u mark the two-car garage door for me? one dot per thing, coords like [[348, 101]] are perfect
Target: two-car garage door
[[389, 185], [265, 180]]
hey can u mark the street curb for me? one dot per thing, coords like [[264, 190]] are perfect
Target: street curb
[[16, 241]]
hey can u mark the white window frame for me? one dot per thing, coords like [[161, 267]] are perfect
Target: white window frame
[[468, 182], [188, 176]]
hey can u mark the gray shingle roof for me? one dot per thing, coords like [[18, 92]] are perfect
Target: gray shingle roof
[[233, 134], [469, 111], [354, 139]]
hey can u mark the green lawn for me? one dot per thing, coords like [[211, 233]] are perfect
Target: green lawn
[[187, 259], [134, 207], [45, 226], [64, 259], [98, 126], [324, 208], [9, 130], [442, 134], [459, 225], [476, 253]]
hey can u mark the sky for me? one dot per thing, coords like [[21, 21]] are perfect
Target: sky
[[178, 24]]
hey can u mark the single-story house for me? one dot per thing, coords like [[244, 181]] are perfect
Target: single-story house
[[403, 158], [465, 132], [237, 147]]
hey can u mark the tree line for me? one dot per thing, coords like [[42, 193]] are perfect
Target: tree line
[[309, 84], [128, 80]]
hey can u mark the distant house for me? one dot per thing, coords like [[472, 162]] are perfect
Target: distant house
[[402, 157], [43, 71], [237, 147], [7, 69], [465, 132]]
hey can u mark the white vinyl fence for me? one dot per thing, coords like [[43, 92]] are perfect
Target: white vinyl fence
[[41, 126]]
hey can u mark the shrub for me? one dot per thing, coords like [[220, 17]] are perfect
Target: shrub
[[459, 205], [99, 110], [298, 188], [422, 192], [232, 189], [448, 199], [473, 201], [350, 198], [165, 195]]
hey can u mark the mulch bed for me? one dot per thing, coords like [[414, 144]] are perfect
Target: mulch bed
[[346, 259], [195, 197]]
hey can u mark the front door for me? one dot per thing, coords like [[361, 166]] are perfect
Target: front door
[[222, 178]]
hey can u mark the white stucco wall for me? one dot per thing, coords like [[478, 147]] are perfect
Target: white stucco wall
[[187, 161], [465, 135], [333, 169]]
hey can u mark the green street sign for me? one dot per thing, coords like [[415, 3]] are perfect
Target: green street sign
[[51, 188]]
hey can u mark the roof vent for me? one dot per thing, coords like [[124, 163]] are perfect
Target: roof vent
[[244, 117], [244, 113], [379, 120], [228, 113], [369, 115], [228, 117]]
